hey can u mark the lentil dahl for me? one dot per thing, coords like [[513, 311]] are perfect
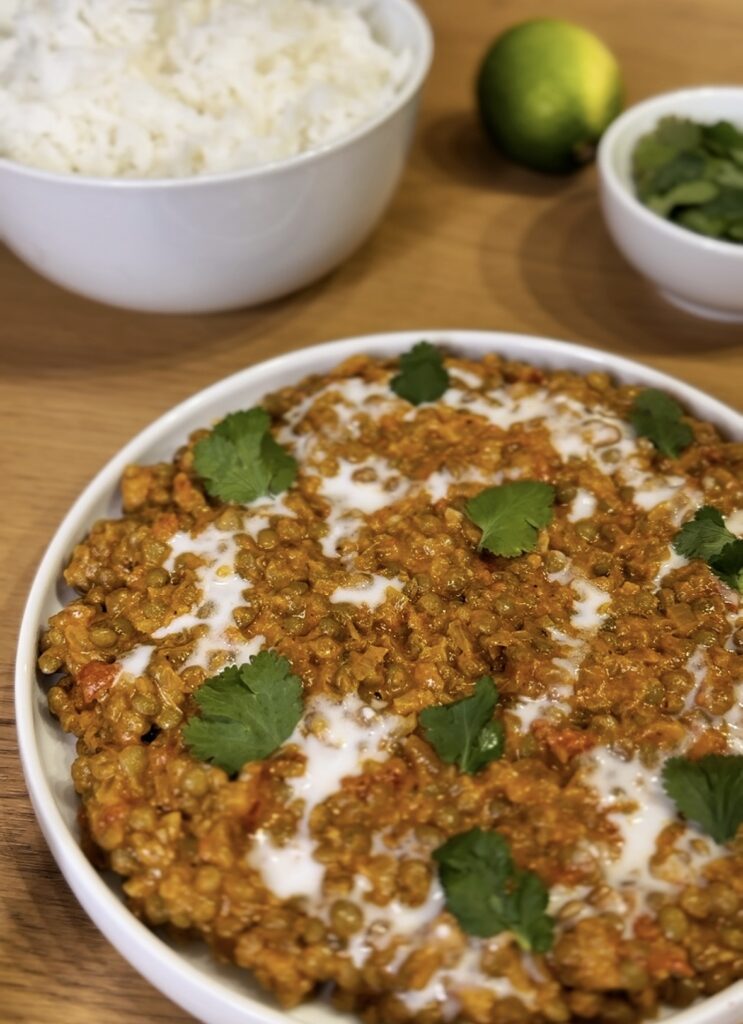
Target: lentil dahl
[[610, 651]]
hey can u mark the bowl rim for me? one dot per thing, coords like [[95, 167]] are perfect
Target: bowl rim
[[627, 198], [422, 55], [166, 969]]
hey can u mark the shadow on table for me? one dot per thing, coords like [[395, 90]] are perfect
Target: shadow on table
[[572, 269], [55, 331], [456, 145], [414, 215]]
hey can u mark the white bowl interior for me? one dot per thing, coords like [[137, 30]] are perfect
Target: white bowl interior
[[218, 994]]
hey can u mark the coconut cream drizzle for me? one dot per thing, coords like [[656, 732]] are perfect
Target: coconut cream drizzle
[[652, 492], [220, 593], [503, 408], [670, 563], [466, 377], [530, 710], [336, 739], [734, 522], [637, 805], [356, 491], [590, 610], [372, 590], [590, 604], [733, 721], [135, 662], [696, 666], [447, 984], [582, 506], [355, 398], [633, 796], [395, 922], [569, 662]]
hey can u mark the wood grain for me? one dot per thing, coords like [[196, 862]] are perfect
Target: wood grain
[[469, 241]]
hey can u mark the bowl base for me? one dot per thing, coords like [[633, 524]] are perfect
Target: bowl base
[[698, 309]]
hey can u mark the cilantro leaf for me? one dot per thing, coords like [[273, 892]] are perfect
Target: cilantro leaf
[[240, 461], [728, 565], [678, 133], [422, 377], [692, 175], [708, 791], [686, 194], [657, 416], [707, 537], [717, 217], [488, 894], [722, 138], [247, 712], [511, 515], [464, 732], [649, 155], [683, 168], [704, 536]]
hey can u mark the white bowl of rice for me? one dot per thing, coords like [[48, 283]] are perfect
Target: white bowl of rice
[[188, 156]]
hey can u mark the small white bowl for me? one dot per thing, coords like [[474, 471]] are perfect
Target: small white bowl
[[701, 275], [217, 242]]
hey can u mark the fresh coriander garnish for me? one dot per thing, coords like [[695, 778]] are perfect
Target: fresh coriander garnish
[[422, 377], [728, 565], [488, 894], [240, 461], [247, 712], [511, 515], [692, 174], [708, 791], [707, 537], [464, 732], [657, 416]]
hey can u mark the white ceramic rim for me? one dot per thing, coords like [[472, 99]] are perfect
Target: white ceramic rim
[[160, 964], [628, 199], [422, 57]]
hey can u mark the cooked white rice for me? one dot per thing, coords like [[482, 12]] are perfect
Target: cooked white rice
[[173, 88]]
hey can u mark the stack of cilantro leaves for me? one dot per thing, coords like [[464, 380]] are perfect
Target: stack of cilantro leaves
[[692, 174]]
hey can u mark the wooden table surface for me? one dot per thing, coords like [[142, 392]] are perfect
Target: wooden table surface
[[469, 241]]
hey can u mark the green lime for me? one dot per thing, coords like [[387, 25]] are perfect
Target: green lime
[[547, 89]]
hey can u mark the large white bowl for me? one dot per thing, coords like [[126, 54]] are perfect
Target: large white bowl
[[220, 242], [213, 993], [701, 275]]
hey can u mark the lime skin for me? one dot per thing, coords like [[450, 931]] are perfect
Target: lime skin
[[546, 91]]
